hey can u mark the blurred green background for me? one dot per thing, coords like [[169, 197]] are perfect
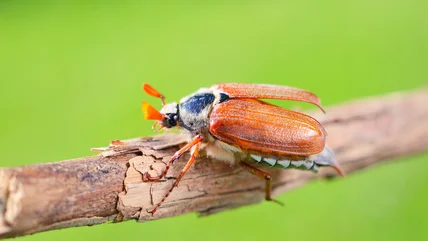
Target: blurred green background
[[71, 75]]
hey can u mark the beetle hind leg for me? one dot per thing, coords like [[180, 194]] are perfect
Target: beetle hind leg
[[267, 178]]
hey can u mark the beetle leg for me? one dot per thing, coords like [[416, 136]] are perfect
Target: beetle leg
[[176, 155], [265, 176], [188, 165]]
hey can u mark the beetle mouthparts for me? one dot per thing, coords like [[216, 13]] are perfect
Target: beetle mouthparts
[[150, 113]]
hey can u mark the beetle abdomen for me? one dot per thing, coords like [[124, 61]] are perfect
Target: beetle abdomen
[[313, 162], [304, 164]]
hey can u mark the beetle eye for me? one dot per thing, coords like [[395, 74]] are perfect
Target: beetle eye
[[170, 120]]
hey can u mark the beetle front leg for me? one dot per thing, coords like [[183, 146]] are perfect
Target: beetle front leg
[[188, 165], [265, 176], [176, 155]]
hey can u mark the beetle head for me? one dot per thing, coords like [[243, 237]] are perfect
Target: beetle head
[[167, 117]]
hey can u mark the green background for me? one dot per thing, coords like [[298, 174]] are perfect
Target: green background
[[71, 75]]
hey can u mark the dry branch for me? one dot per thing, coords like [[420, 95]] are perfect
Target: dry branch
[[109, 186]]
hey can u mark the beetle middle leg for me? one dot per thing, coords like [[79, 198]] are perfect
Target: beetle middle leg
[[265, 176]]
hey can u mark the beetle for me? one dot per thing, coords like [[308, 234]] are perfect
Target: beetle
[[232, 124]]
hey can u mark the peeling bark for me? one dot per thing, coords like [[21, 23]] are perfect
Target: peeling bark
[[110, 186]]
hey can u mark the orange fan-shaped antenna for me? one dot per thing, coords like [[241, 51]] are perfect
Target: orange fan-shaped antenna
[[151, 91], [150, 113]]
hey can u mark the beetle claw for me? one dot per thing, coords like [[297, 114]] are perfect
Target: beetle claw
[[148, 178], [152, 212]]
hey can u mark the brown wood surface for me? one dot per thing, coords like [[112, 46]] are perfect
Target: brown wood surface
[[109, 186]]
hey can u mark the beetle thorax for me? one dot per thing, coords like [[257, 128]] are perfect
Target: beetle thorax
[[194, 111]]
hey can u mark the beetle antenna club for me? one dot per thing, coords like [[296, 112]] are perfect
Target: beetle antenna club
[[151, 91], [232, 125]]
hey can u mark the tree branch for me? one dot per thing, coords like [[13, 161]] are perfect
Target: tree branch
[[110, 186]]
